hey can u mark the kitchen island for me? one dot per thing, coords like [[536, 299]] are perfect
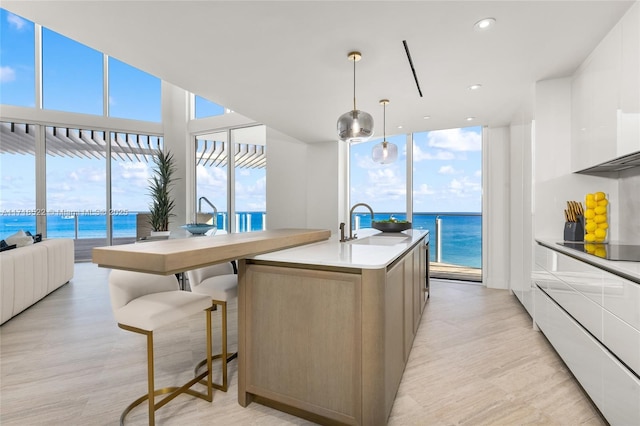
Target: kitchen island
[[325, 329]]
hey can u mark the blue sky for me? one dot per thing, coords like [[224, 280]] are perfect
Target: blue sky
[[446, 166]]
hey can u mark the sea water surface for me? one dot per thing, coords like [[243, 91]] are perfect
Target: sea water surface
[[461, 232]]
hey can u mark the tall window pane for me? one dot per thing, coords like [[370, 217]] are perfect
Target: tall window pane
[[18, 184], [212, 152], [382, 186], [17, 66], [133, 94], [250, 178], [131, 166], [76, 187], [447, 183], [205, 108], [72, 75]]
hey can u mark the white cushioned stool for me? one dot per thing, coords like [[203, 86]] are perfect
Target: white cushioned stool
[[221, 285], [143, 303]]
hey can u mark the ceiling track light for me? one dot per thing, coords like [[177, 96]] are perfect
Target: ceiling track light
[[355, 126], [384, 152]]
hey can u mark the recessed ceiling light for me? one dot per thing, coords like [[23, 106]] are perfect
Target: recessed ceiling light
[[470, 118], [426, 117], [400, 126], [484, 24], [475, 86]]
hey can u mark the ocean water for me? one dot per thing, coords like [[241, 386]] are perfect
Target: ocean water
[[461, 232]]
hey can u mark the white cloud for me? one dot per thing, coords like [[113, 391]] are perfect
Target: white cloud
[[7, 74], [423, 189], [419, 155], [478, 173], [464, 187], [448, 170], [16, 22], [455, 140]]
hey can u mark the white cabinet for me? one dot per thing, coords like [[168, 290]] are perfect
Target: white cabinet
[[629, 110], [605, 97], [592, 319]]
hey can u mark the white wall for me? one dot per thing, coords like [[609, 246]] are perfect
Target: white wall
[[495, 208], [287, 173], [176, 139], [323, 186]]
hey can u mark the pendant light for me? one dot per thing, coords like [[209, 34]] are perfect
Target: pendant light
[[384, 152], [355, 126]]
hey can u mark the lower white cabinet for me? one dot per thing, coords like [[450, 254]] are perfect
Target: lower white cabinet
[[588, 316]]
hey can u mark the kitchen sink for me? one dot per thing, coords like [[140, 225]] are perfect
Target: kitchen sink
[[381, 240]]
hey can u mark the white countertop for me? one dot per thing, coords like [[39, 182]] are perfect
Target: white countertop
[[629, 270], [352, 254]]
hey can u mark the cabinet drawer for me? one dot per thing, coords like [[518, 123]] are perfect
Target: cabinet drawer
[[622, 339], [622, 298], [584, 278], [621, 394], [542, 256], [582, 354], [584, 310]]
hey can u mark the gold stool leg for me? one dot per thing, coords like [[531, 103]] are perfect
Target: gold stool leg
[[224, 356], [171, 392]]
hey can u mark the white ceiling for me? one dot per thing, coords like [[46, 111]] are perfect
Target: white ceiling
[[285, 63]]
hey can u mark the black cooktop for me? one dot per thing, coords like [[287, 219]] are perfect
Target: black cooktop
[[622, 252]]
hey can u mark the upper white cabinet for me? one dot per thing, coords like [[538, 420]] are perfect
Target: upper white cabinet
[[605, 97], [629, 109]]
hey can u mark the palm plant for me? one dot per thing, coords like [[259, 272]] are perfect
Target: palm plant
[[159, 186]]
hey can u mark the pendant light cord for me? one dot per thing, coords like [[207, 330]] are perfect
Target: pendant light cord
[[384, 121], [354, 83]]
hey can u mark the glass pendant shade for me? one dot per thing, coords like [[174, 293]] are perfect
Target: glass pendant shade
[[384, 152], [355, 126]]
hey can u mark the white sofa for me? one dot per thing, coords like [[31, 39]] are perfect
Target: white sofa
[[29, 273]]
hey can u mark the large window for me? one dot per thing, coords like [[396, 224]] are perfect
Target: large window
[[17, 60], [18, 183], [447, 185], [447, 189], [72, 78], [133, 94], [76, 184], [244, 185], [382, 186], [205, 108]]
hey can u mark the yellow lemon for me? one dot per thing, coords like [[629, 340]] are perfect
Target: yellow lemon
[[590, 227], [590, 197], [589, 214], [589, 221], [590, 238], [599, 196], [600, 218], [603, 202], [600, 210], [591, 204], [599, 240], [600, 252], [603, 225], [600, 233], [590, 248]]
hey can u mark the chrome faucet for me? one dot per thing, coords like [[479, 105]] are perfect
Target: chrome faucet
[[215, 210], [354, 236]]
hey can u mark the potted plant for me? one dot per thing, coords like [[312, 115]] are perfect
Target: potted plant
[[162, 203]]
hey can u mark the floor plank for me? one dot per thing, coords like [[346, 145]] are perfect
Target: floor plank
[[476, 360]]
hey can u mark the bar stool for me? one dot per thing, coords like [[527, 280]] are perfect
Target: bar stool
[[221, 284], [142, 303]]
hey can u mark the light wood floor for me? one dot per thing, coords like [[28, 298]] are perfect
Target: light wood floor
[[476, 361]]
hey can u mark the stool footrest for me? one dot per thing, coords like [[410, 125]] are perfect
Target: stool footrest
[[223, 387]]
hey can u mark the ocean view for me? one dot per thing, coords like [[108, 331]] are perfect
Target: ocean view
[[461, 232]]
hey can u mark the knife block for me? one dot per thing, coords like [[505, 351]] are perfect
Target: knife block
[[574, 231]]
